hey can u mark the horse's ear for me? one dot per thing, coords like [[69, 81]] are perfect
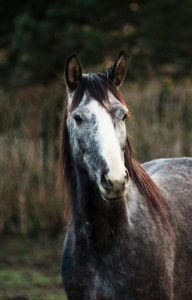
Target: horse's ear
[[117, 71], [73, 72]]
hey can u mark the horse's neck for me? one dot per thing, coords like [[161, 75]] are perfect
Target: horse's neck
[[96, 220]]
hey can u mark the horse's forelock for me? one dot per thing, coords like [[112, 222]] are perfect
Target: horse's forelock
[[97, 86]]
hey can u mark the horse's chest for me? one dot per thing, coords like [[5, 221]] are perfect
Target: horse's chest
[[102, 286], [114, 279]]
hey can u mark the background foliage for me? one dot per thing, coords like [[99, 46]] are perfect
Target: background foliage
[[36, 36]]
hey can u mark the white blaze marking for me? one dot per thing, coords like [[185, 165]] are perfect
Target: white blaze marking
[[108, 142]]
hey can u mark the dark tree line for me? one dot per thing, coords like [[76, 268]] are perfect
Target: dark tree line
[[37, 36]]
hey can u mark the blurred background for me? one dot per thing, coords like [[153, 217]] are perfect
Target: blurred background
[[36, 37]]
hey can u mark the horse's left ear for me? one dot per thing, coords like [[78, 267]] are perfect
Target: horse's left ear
[[73, 72], [117, 71]]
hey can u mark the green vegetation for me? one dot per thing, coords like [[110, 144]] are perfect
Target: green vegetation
[[37, 36], [30, 270]]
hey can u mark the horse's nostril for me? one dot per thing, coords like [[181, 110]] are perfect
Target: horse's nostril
[[126, 175], [105, 181]]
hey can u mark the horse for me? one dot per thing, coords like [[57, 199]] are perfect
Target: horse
[[129, 233]]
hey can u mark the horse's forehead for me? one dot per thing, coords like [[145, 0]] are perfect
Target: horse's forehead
[[91, 105], [93, 111]]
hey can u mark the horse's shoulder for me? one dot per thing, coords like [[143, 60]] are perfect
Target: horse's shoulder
[[173, 176]]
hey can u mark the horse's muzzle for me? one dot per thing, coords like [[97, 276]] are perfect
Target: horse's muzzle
[[112, 187]]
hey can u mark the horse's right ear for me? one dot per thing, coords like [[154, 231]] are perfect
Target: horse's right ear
[[73, 72]]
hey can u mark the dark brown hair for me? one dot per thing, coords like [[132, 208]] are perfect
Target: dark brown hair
[[97, 87]]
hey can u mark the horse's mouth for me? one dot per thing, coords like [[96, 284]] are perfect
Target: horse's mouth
[[119, 197], [113, 194]]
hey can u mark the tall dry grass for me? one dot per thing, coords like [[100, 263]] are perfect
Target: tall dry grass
[[161, 123], [30, 203]]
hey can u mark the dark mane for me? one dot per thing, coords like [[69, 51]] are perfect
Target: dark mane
[[97, 86], [146, 185]]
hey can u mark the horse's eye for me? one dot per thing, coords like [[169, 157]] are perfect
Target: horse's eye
[[78, 119], [124, 117]]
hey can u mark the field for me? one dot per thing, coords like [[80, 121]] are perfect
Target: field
[[30, 269]]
